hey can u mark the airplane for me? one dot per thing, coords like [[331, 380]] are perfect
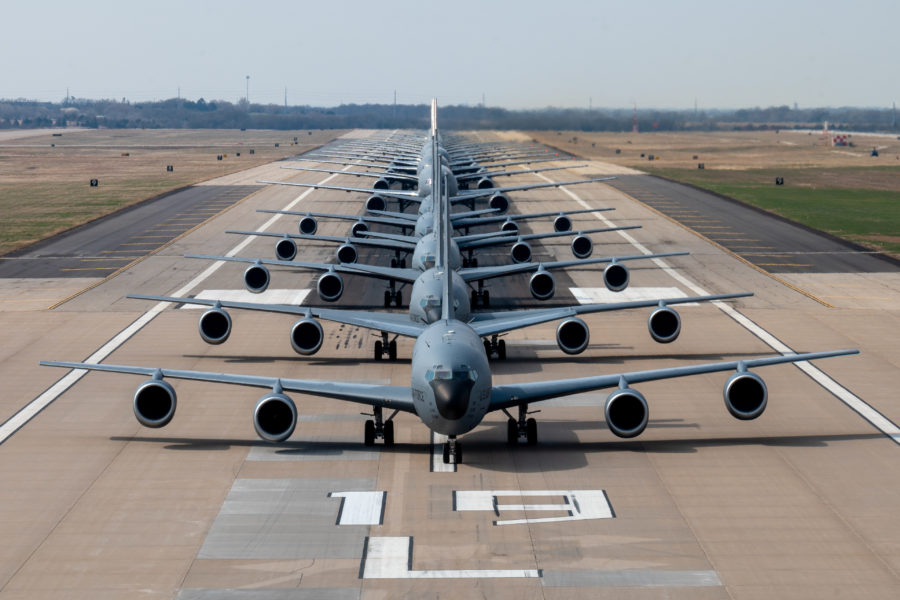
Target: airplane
[[451, 388]]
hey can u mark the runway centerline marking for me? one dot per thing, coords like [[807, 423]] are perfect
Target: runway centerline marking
[[855, 403], [33, 408]]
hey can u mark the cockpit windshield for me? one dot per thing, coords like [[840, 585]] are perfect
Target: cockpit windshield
[[461, 373]]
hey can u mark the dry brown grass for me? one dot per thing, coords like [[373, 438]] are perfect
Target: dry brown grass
[[45, 189]]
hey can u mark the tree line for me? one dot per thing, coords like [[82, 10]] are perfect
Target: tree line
[[177, 113]]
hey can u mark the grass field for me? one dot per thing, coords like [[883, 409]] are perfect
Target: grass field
[[44, 188], [843, 191]]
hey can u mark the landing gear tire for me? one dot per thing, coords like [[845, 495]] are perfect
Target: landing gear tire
[[369, 433], [501, 349], [389, 433], [486, 298], [392, 351], [398, 300], [531, 432], [512, 432], [474, 299], [465, 264], [446, 454], [394, 263], [387, 298], [487, 348], [473, 263], [402, 263], [379, 350]]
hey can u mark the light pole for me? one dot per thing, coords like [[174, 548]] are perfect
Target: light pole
[[248, 92]]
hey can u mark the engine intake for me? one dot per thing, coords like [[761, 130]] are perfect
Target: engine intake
[[330, 286], [520, 252], [346, 253], [542, 285], [500, 203], [154, 403], [308, 225], [274, 417], [285, 249], [376, 202], [215, 326], [485, 183], [307, 336], [510, 226], [582, 247], [626, 413], [615, 277], [562, 223], [572, 336], [664, 325], [256, 278], [382, 184], [745, 396], [359, 228]]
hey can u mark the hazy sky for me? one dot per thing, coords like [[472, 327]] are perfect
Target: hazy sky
[[519, 54]]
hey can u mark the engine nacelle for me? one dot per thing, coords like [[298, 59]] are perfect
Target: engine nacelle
[[376, 202], [485, 183], [215, 326], [664, 325], [346, 253], [615, 277], [307, 336], [520, 252], [562, 223], [500, 203], [275, 417], [359, 228], [626, 413], [542, 285], [285, 249], [330, 286], [582, 247], [382, 184], [154, 403], [510, 225], [573, 335], [308, 225], [745, 396], [256, 278]]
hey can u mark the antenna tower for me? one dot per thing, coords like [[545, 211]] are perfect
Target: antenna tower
[[634, 127]]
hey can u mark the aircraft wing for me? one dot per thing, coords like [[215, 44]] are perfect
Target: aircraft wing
[[404, 275], [386, 396], [486, 324], [466, 219], [401, 195], [399, 221], [357, 173], [355, 163], [517, 172], [482, 273], [498, 190], [376, 242], [396, 323], [510, 395], [498, 241]]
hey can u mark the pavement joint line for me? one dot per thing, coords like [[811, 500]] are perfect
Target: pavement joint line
[[855, 403], [33, 408]]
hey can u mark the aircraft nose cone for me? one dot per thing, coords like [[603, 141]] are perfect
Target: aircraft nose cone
[[451, 397]]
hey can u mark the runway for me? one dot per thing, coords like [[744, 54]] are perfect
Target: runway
[[800, 503]]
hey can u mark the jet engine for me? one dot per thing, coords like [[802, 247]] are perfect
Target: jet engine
[[307, 336], [500, 203], [562, 223], [382, 184], [330, 286], [582, 247], [346, 253], [215, 326], [542, 285], [285, 249], [509, 225], [572, 335], [520, 252], [615, 277], [745, 395], [274, 417], [376, 202], [664, 325], [485, 183], [256, 278], [154, 403], [626, 413], [308, 225], [359, 228]]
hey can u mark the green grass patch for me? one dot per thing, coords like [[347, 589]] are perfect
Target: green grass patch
[[866, 216]]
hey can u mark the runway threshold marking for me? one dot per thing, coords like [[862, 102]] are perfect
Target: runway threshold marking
[[33, 408], [855, 403]]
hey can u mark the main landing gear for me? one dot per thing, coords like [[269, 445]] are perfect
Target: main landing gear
[[385, 348], [521, 428], [452, 451], [379, 428], [469, 263], [398, 263], [495, 347], [481, 295], [393, 295]]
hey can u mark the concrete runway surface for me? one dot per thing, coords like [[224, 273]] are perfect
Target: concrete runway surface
[[801, 503]]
